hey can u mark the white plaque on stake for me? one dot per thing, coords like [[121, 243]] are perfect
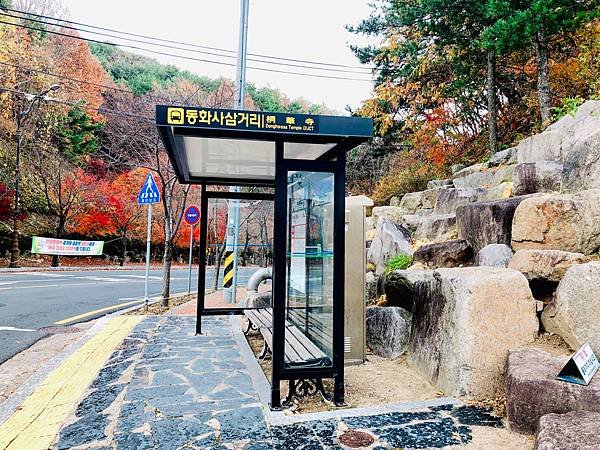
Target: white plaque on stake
[[581, 367]]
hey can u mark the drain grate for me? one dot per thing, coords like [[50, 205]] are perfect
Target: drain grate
[[356, 439], [59, 330]]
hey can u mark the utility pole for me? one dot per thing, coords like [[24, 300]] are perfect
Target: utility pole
[[233, 210], [22, 113]]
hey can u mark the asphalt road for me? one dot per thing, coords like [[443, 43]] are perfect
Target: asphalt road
[[30, 301]]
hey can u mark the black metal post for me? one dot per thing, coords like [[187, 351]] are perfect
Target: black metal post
[[202, 259], [279, 278], [339, 243]]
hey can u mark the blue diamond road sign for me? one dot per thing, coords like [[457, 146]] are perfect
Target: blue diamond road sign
[[149, 193]]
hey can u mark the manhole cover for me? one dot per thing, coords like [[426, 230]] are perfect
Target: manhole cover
[[59, 330], [356, 439]]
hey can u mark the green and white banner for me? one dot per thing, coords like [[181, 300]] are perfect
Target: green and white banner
[[66, 247]]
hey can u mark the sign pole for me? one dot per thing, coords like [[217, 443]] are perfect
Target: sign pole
[[190, 261], [148, 237], [192, 216], [148, 195]]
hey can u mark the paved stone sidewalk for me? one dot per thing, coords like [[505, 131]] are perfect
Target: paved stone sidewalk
[[166, 388]]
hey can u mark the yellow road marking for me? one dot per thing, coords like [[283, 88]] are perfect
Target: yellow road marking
[[228, 276], [35, 424], [229, 259], [97, 311]]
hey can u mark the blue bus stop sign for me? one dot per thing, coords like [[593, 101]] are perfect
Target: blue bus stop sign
[[192, 215], [149, 194]]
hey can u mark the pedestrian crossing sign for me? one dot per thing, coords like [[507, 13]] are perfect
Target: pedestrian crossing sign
[[149, 193]]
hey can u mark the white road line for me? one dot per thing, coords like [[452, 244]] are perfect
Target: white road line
[[53, 275], [15, 329], [152, 277]]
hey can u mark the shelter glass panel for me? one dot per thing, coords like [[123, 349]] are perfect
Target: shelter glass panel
[[228, 158], [302, 150], [310, 256], [249, 244]]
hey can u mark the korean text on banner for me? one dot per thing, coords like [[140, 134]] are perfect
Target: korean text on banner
[[66, 247]]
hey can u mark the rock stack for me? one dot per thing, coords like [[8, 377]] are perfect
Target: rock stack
[[502, 251]]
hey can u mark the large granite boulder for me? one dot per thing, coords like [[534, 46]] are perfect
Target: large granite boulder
[[449, 200], [387, 330], [431, 184], [549, 265], [577, 430], [460, 171], [435, 227], [575, 312], [465, 323], [582, 164], [560, 138], [546, 146], [569, 222], [394, 201], [411, 202], [573, 128], [486, 178], [453, 253], [392, 213], [508, 156], [532, 390], [403, 287], [430, 196], [259, 300], [371, 281], [494, 255], [539, 176], [503, 190], [485, 223], [391, 240]]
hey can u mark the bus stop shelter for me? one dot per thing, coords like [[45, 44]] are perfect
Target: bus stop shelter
[[297, 161]]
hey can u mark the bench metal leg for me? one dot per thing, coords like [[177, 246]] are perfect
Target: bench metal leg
[[250, 326], [265, 352], [304, 388]]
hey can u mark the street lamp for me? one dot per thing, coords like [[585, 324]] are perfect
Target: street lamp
[[23, 112]]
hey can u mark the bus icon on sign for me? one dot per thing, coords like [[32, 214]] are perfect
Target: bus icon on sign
[[175, 116]]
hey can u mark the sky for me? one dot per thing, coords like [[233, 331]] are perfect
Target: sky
[[307, 30]]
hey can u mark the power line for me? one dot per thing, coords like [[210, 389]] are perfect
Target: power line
[[179, 48], [75, 80], [65, 102], [185, 43], [181, 56]]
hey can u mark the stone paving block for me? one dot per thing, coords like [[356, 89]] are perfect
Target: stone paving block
[[395, 418], [140, 393], [432, 434], [110, 374], [243, 423], [87, 429], [137, 441], [473, 415], [170, 433], [99, 399]]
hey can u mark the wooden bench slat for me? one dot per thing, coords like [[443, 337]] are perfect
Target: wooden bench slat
[[299, 349]]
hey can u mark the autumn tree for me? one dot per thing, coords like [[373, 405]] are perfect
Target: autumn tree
[[520, 23]]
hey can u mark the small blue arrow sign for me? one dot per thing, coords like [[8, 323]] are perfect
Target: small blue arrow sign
[[149, 193]]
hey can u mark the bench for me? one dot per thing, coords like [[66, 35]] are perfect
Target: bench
[[299, 351], [319, 332]]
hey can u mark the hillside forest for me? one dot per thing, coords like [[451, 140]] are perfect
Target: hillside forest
[[453, 82]]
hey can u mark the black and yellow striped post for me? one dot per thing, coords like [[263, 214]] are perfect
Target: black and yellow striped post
[[229, 270]]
